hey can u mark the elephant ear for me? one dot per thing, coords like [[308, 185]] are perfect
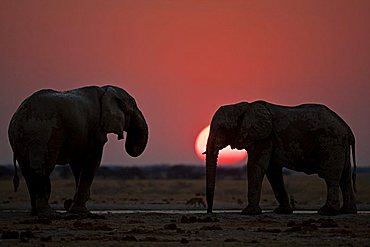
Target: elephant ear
[[112, 116], [256, 123]]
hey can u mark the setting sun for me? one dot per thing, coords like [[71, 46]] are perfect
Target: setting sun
[[227, 156]]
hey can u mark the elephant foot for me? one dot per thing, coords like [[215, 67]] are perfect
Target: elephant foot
[[349, 210], [252, 210], [46, 212], [67, 204], [326, 210], [73, 208], [76, 209], [283, 210]]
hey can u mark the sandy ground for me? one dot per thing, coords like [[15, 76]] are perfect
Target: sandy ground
[[183, 227]]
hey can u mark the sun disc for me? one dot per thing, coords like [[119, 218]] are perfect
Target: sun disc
[[227, 156]]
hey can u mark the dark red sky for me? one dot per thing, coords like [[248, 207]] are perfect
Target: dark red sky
[[181, 60]]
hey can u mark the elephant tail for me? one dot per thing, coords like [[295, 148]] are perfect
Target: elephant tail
[[354, 163], [16, 177]]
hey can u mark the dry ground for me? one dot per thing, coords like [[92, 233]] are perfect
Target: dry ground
[[161, 229]]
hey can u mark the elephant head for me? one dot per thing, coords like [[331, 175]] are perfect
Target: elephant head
[[237, 125], [120, 113]]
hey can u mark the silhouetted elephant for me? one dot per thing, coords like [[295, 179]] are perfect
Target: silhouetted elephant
[[309, 138], [71, 127]]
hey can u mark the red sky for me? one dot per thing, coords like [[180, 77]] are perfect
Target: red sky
[[181, 60]]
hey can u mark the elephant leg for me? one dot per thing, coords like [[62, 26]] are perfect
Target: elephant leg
[[42, 185], [32, 192], [40, 167], [46, 191], [332, 204], [76, 171], [255, 178], [254, 190], [258, 161], [331, 171], [349, 201], [275, 176], [86, 178], [40, 189], [25, 168]]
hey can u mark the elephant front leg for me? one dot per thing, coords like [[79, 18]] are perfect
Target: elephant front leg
[[275, 177], [76, 170], [78, 204], [258, 160], [82, 194], [255, 178]]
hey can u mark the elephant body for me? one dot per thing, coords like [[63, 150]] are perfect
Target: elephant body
[[310, 138], [71, 127], [308, 145]]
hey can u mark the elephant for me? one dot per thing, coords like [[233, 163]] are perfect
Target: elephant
[[70, 127], [309, 138]]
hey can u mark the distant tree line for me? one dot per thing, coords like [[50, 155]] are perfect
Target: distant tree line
[[182, 171], [158, 172]]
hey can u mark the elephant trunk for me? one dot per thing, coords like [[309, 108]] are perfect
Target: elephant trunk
[[211, 164], [137, 135]]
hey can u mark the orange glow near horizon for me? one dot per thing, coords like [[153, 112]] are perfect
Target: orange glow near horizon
[[227, 156]]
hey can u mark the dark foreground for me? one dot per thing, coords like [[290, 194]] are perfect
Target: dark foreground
[[184, 227], [157, 229]]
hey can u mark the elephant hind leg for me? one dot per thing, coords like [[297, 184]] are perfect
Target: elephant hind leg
[[332, 204], [39, 189], [42, 189], [39, 183], [32, 192], [26, 172], [349, 201], [331, 171]]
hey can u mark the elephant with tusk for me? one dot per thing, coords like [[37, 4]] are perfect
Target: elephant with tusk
[[310, 138], [71, 127]]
